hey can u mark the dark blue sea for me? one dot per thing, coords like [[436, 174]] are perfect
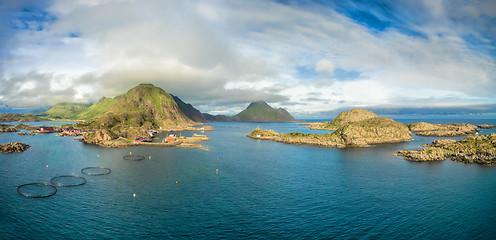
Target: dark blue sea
[[246, 189]]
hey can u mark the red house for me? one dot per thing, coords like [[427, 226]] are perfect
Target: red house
[[46, 129]]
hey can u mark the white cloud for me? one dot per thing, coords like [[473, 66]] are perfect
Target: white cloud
[[232, 52], [324, 66]]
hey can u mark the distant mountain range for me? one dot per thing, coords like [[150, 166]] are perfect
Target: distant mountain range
[[256, 112]]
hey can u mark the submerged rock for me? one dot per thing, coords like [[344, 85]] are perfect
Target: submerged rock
[[13, 147]]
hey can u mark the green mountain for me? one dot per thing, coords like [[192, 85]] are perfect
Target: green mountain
[[65, 110], [261, 112], [96, 110], [189, 110], [142, 108]]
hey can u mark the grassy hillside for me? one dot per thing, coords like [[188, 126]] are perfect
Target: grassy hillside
[[65, 110], [97, 110]]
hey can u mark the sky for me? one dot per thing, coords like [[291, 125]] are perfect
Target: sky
[[305, 56]]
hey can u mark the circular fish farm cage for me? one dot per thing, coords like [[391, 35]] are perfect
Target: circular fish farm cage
[[96, 171], [134, 157], [37, 190], [68, 181]]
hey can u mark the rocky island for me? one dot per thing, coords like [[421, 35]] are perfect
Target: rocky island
[[472, 149], [354, 128], [442, 130], [13, 147], [7, 128]]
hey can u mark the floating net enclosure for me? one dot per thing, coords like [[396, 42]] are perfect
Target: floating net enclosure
[[134, 157], [96, 171], [68, 181], [37, 190]]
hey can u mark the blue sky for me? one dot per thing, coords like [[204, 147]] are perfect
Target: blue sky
[[306, 56]]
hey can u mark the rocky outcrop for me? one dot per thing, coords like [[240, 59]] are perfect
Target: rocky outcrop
[[99, 137], [442, 130], [26, 127], [26, 133], [486, 126], [472, 149], [7, 128], [364, 131], [13, 147], [69, 134], [422, 155]]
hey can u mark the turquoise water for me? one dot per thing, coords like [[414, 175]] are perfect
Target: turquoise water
[[261, 190]]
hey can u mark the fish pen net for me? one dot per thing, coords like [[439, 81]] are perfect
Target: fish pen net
[[68, 181], [134, 157], [95, 171], [37, 190]]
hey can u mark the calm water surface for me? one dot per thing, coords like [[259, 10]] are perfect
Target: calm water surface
[[261, 190]]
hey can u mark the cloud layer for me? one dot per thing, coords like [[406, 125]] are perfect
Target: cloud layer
[[221, 55]]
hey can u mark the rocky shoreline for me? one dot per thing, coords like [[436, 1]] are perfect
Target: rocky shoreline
[[16, 147], [104, 138], [472, 149]]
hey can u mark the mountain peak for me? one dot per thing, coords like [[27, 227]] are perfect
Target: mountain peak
[[258, 103], [260, 111]]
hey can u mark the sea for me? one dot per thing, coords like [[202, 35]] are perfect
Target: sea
[[243, 188]]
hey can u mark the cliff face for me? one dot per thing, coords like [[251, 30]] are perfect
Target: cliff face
[[355, 130], [142, 108], [190, 111], [262, 112]]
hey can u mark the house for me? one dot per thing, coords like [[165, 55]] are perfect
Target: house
[[170, 138], [68, 130], [46, 129]]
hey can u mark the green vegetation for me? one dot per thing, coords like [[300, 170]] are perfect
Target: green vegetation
[[96, 110], [65, 110]]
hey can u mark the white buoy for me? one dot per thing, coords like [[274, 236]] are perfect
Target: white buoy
[[134, 195]]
